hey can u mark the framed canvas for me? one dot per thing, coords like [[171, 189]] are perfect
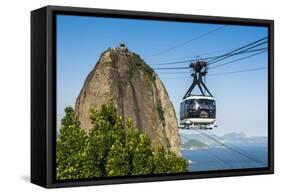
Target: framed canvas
[[126, 96]]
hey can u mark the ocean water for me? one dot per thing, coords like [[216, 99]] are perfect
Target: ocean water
[[221, 158]]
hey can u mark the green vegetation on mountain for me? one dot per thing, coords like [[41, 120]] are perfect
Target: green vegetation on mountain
[[109, 149], [147, 70]]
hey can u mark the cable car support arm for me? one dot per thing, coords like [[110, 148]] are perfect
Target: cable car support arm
[[200, 70]]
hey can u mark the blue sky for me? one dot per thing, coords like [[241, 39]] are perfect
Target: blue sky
[[241, 98]]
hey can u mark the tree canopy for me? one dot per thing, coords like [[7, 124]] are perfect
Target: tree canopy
[[109, 149]]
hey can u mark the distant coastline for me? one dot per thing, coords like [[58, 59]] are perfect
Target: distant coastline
[[197, 141], [194, 144]]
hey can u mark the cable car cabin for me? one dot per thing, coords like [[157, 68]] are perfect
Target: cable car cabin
[[198, 112]]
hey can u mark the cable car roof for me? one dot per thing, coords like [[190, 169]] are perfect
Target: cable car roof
[[199, 97]]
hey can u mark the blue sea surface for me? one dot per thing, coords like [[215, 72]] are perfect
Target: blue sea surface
[[222, 158]]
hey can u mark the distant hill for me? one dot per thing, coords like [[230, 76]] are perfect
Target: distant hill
[[193, 144], [233, 137], [241, 137]]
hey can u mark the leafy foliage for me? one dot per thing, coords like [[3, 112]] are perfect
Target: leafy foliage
[[160, 112], [110, 149], [70, 155], [139, 149], [140, 64]]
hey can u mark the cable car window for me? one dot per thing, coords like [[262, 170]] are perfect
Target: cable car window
[[196, 104]]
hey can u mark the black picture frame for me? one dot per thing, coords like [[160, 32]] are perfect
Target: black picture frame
[[43, 94]]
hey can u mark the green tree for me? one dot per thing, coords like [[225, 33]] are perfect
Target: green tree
[[70, 146], [109, 149], [107, 130], [176, 164], [160, 162], [168, 162], [117, 163], [140, 150]]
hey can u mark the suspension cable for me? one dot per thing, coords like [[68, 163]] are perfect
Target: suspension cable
[[188, 41], [214, 155], [243, 47], [231, 148], [218, 137]]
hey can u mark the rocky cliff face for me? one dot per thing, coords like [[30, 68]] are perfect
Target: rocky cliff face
[[138, 92]]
